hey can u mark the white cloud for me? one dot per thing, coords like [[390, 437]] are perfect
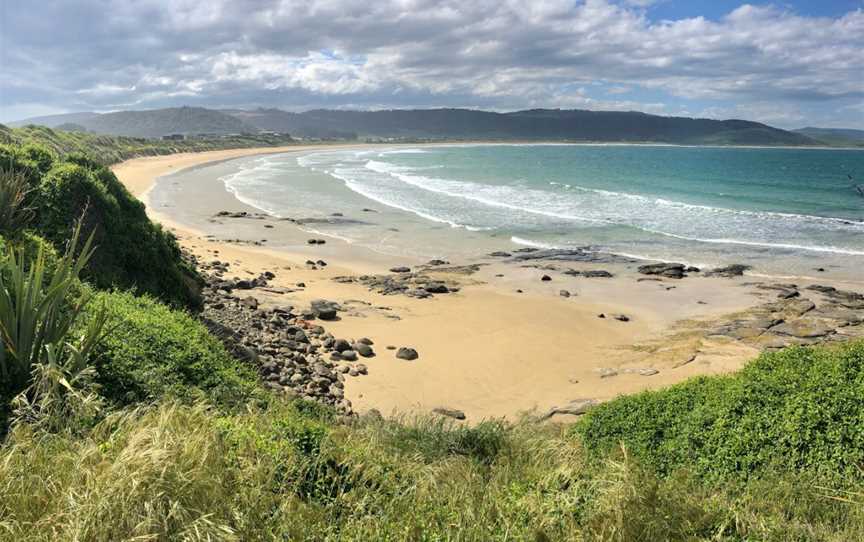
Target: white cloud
[[506, 53]]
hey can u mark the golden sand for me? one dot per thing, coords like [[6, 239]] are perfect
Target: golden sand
[[487, 350]]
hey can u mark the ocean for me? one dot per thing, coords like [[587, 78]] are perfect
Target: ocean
[[784, 211]]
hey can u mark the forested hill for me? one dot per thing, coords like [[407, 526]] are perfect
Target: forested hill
[[459, 124], [536, 124]]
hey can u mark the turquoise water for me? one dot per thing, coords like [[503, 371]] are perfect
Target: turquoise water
[[784, 211]]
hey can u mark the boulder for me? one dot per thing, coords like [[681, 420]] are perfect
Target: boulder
[[407, 353], [668, 270]]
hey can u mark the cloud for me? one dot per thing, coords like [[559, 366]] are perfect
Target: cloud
[[90, 54]]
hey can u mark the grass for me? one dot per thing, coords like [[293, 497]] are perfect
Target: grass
[[174, 471], [107, 150]]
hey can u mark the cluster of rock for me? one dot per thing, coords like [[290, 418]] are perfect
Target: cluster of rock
[[402, 281], [792, 319], [680, 270]]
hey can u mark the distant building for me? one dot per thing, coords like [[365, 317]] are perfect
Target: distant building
[[174, 137]]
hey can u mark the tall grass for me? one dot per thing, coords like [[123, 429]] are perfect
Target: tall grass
[[174, 472], [15, 214]]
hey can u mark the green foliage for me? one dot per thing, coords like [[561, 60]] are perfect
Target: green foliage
[[107, 150], [152, 350], [134, 252], [15, 214], [38, 348], [794, 410], [176, 472]]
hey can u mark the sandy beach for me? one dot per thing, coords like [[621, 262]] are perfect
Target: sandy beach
[[507, 342]]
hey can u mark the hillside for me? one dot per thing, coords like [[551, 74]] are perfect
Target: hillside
[[153, 123], [454, 124], [834, 136], [112, 149], [537, 124]]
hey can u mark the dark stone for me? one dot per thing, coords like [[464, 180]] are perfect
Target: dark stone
[[730, 271], [500, 254], [564, 293], [450, 413], [545, 278], [406, 353], [400, 269], [668, 270], [436, 288]]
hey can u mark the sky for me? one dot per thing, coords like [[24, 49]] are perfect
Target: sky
[[789, 64]]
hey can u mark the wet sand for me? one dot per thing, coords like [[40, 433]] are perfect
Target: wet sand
[[488, 350]]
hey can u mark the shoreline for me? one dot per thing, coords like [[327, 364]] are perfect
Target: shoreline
[[506, 342]]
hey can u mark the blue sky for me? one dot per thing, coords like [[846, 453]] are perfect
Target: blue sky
[[789, 64]]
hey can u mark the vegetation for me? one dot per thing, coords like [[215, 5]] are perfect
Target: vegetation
[[154, 352], [129, 421], [107, 150], [134, 252], [797, 410]]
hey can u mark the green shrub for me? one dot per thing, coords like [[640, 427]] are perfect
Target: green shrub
[[151, 350], [133, 251], [794, 410]]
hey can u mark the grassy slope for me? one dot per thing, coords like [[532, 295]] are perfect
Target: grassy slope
[[111, 149], [292, 472]]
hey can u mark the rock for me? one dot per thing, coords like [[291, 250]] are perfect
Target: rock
[[323, 309], [591, 274], [500, 254], [730, 271], [362, 369], [668, 270], [341, 345], [436, 288], [577, 407], [348, 355], [607, 372], [545, 278], [601, 315], [250, 302], [437, 262], [564, 293], [803, 328], [312, 241], [364, 350], [400, 269], [622, 317], [649, 371], [450, 412], [406, 353], [365, 340]]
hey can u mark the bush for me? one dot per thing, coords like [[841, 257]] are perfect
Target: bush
[[176, 472], [794, 410], [133, 251], [151, 350]]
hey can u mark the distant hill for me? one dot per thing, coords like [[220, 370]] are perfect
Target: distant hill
[[834, 136], [535, 124], [54, 121], [459, 124], [152, 123]]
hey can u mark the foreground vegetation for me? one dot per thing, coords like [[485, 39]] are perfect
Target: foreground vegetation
[[122, 418]]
